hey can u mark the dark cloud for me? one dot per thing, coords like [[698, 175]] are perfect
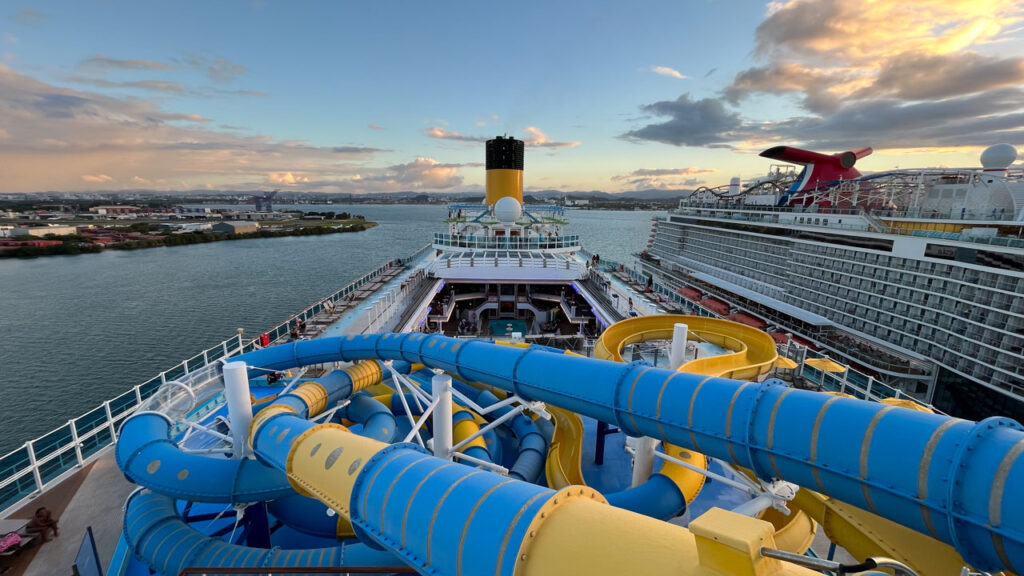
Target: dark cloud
[[704, 122], [925, 76], [355, 150], [218, 69], [799, 24], [103, 63], [223, 71], [977, 119], [29, 16], [166, 87], [56, 105], [651, 172], [786, 78]]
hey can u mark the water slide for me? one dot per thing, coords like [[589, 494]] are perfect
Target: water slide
[[446, 518], [752, 354]]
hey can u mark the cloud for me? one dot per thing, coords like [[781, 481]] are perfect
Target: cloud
[[286, 178], [140, 180], [645, 172], [445, 134], [704, 122], [889, 74], [376, 127], [103, 63], [91, 134], [10, 38], [218, 69], [538, 139], [150, 85], [355, 150], [666, 71], [97, 178], [224, 71], [935, 76], [663, 178], [29, 16]]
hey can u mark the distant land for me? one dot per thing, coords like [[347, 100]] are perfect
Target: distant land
[[286, 197]]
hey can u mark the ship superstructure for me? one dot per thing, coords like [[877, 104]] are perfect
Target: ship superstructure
[[915, 275]]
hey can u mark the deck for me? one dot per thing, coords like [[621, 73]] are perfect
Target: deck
[[92, 497]]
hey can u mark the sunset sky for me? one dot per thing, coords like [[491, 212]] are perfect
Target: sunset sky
[[388, 96]]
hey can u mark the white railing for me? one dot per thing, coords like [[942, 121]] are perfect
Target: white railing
[[43, 462], [507, 243]]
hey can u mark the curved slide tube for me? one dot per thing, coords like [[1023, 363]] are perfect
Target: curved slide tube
[[147, 456], [752, 354], [156, 533], [946, 477]]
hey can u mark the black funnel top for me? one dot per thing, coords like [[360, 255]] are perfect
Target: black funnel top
[[505, 154]]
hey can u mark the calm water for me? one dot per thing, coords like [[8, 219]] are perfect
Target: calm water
[[78, 330]]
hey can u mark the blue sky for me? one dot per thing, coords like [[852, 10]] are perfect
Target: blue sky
[[378, 96]]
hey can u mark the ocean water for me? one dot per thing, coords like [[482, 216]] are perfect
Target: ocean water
[[78, 330]]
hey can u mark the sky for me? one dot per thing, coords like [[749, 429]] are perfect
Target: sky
[[358, 97]]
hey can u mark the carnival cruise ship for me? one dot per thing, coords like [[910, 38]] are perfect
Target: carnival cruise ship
[[914, 276], [503, 402]]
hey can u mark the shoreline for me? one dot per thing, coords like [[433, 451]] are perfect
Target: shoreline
[[74, 245]]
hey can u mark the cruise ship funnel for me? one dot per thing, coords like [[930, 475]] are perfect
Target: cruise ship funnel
[[504, 164]]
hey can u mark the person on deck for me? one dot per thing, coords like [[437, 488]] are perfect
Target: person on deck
[[42, 523]]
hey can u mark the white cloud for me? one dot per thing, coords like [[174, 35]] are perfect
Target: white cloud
[[666, 71], [539, 139], [97, 178], [287, 178]]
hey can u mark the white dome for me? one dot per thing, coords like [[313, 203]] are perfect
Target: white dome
[[998, 157], [507, 210]]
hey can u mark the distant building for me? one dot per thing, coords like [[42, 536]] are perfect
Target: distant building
[[40, 231], [110, 210], [236, 227]]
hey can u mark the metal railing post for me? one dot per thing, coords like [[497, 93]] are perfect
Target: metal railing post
[[110, 418], [74, 438], [35, 468]]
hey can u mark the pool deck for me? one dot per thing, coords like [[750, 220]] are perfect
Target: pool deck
[[92, 497]]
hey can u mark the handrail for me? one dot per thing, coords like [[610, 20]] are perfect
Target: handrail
[[872, 219], [44, 461], [506, 243]]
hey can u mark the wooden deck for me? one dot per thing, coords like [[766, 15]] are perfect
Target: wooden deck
[[93, 496]]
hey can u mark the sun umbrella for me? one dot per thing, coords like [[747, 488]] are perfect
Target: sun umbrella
[[825, 365]]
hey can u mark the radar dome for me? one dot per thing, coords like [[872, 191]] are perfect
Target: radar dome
[[998, 157], [507, 210]]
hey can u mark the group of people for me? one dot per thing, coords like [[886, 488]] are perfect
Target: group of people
[[298, 328], [468, 325]]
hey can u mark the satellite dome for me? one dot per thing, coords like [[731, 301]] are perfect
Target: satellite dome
[[508, 210], [998, 157]]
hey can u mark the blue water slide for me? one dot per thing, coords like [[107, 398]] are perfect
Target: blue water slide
[[949, 478], [378, 422], [157, 534], [532, 446], [148, 456]]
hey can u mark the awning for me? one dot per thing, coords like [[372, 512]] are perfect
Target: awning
[[825, 365], [748, 320], [783, 363]]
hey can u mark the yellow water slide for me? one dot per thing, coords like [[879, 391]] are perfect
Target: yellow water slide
[[752, 355]]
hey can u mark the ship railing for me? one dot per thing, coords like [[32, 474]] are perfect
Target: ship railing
[[45, 461], [571, 242], [511, 261], [753, 213], [850, 381]]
